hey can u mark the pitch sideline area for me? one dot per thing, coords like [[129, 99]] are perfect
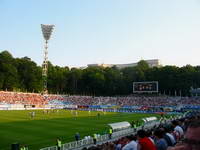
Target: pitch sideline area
[[43, 127]]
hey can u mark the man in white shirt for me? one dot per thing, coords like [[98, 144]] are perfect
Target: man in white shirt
[[177, 128], [171, 138]]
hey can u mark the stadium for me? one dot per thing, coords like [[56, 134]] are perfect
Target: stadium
[[117, 100], [37, 120], [96, 108]]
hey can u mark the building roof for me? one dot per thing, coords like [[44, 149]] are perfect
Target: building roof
[[151, 63]]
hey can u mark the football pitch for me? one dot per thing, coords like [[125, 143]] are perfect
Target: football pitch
[[43, 129]]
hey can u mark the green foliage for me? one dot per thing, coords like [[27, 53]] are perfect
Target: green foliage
[[142, 65], [8, 72], [23, 74], [29, 75]]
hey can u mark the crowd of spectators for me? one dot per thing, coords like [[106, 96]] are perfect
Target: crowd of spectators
[[21, 98], [39, 99], [51, 97], [133, 100], [182, 134]]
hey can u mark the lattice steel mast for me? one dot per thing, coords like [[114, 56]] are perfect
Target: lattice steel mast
[[46, 30]]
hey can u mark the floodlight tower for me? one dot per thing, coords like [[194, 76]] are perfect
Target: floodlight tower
[[46, 30]]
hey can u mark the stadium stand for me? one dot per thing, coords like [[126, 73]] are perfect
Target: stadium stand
[[161, 134], [34, 98], [128, 102]]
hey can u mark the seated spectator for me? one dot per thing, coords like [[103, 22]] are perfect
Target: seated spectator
[[169, 133], [132, 145], [166, 137], [118, 145], [161, 143], [150, 136], [144, 143], [192, 138], [177, 129]]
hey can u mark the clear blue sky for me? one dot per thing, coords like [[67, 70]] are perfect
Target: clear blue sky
[[103, 31]]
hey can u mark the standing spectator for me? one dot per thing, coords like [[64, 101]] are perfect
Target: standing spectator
[[77, 136], [95, 138], [59, 143], [110, 133]]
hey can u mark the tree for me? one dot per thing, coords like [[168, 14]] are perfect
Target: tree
[[73, 80], [8, 72], [93, 79], [24, 74], [30, 75], [142, 65]]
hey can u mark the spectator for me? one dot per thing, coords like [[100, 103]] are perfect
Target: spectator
[[161, 143], [192, 138], [169, 132], [118, 145], [110, 133], [150, 136], [177, 129], [95, 138], [132, 145], [166, 137], [77, 136], [59, 143], [144, 143]]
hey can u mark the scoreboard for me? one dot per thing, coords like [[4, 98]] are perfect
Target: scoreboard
[[145, 87]]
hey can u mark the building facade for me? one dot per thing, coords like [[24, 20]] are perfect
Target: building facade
[[150, 62]]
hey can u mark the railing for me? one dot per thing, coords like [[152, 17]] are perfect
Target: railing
[[87, 142], [104, 138], [50, 148]]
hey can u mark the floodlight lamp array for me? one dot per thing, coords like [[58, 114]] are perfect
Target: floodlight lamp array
[[47, 30]]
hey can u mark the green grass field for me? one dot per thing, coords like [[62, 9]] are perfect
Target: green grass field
[[42, 131]]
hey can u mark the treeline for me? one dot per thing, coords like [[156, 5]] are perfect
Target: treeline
[[23, 74]]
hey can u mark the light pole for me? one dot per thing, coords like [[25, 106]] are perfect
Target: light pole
[[46, 30]]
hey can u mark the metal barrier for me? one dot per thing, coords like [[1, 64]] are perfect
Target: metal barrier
[[122, 133], [105, 138], [77, 144], [50, 148], [87, 142]]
